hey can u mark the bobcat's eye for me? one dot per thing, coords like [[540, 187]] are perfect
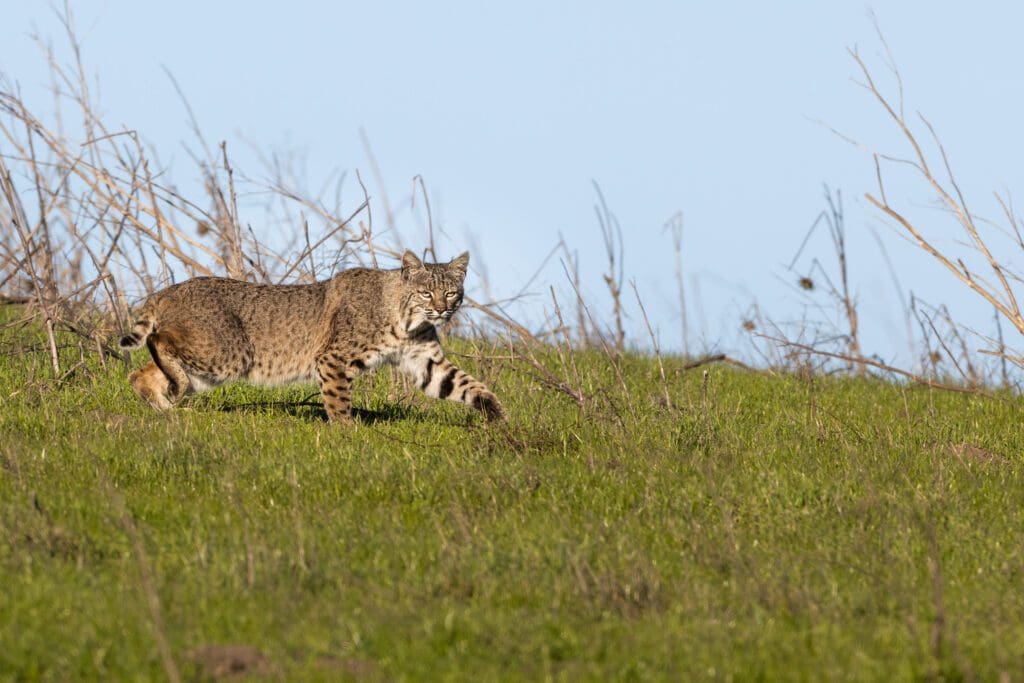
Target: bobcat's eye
[[451, 295], [425, 295]]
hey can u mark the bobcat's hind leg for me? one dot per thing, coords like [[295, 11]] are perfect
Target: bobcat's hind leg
[[151, 384], [163, 348], [335, 388]]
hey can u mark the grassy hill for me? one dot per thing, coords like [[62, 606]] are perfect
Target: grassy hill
[[764, 526]]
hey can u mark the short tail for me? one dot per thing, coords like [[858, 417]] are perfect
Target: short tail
[[140, 332]]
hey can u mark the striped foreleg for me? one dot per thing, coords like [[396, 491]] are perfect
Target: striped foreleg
[[439, 378]]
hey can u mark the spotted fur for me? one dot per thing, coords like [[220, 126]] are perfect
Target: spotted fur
[[206, 331]]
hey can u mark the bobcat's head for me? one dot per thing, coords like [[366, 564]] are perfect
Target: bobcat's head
[[432, 291]]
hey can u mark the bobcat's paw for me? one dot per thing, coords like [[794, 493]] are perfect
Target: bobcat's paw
[[488, 404]]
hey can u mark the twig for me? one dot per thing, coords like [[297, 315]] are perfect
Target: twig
[[917, 379]]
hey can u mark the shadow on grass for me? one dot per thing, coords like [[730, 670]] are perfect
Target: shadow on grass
[[315, 410]]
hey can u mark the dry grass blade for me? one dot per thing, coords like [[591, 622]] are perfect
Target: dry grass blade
[[654, 343], [147, 581], [611, 235]]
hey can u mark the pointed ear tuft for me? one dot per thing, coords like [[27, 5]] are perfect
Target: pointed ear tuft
[[410, 262], [460, 264]]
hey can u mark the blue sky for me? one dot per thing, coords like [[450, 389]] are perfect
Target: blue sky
[[509, 111]]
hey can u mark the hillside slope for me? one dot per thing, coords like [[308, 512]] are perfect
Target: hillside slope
[[764, 526]]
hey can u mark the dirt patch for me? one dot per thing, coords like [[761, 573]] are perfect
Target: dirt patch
[[967, 452], [230, 661], [356, 668]]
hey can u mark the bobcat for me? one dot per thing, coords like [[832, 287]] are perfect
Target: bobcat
[[208, 331]]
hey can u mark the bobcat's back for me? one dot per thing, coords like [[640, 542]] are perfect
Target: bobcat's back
[[271, 315]]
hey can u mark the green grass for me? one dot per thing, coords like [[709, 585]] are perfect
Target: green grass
[[778, 529]]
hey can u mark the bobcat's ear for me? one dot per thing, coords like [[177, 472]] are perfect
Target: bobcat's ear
[[410, 263], [460, 264]]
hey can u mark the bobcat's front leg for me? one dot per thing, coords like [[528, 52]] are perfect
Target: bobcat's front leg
[[335, 388], [426, 364]]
